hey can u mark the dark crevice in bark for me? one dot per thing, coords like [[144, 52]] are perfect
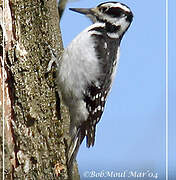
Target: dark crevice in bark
[[11, 90], [57, 105]]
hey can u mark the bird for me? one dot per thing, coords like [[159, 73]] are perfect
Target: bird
[[86, 70]]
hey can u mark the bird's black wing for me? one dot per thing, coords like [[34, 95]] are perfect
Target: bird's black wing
[[96, 94]]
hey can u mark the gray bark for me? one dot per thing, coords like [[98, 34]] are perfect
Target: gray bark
[[36, 121]]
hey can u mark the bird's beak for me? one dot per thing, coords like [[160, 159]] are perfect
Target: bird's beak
[[85, 11]]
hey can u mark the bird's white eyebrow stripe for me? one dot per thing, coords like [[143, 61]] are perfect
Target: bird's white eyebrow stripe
[[120, 6]]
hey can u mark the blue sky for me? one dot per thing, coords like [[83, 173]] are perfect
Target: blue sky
[[131, 133]]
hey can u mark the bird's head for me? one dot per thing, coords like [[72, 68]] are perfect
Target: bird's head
[[113, 13]]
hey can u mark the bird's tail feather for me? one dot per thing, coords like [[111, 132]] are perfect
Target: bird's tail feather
[[77, 139], [74, 146]]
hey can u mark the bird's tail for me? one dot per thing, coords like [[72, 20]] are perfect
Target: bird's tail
[[74, 146], [85, 130]]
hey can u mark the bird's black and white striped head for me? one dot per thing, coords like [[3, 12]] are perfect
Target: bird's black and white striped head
[[117, 16]]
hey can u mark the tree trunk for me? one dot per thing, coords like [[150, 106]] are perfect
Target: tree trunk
[[36, 123]]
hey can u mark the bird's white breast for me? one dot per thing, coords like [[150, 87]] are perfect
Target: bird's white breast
[[79, 63]]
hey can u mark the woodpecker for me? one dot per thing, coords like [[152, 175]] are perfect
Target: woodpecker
[[86, 70]]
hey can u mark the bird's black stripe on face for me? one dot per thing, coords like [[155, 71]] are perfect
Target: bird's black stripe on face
[[114, 12], [99, 29], [112, 28]]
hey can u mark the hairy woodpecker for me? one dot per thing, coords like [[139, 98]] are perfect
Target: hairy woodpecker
[[87, 68]]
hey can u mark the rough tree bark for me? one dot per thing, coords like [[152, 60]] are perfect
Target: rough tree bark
[[36, 123]]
